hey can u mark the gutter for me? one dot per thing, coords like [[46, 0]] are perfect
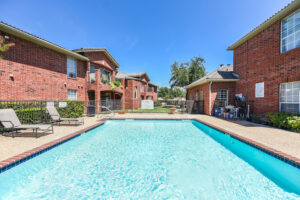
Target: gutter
[[210, 80]]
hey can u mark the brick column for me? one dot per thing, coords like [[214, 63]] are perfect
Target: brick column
[[97, 90], [85, 87]]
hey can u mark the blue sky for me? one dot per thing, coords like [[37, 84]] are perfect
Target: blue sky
[[144, 35]]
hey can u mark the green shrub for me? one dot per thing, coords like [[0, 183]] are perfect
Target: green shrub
[[157, 104], [285, 121], [35, 111], [74, 109]]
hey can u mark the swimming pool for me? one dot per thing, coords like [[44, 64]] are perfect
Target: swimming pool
[[152, 159]]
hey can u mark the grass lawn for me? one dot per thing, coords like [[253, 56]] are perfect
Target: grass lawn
[[155, 110]]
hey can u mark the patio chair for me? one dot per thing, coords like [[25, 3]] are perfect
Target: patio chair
[[56, 117], [10, 121]]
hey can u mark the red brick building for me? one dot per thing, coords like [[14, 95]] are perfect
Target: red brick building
[[136, 88], [215, 89], [36, 69], [267, 63]]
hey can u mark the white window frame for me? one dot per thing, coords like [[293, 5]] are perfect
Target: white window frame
[[71, 67], [293, 34], [221, 98], [72, 94], [290, 98]]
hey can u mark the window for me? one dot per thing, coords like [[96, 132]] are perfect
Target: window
[[222, 97], [290, 32], [71, 67], [289, 100], [72, 94], [92, 74], [105, 76], [135, 92]]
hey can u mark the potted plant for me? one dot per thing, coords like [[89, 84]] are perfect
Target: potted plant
[[172, 110], [121, 112]]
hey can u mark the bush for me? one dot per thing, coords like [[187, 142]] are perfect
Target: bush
[[74, 109], [157, 104], [285, 121], [36, 110]]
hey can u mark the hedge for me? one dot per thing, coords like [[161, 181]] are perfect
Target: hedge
[[36, 110], [283, 120], [74, 109]]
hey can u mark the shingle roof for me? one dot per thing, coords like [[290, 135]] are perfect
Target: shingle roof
[[224, 73], [95, 49], [122, 75], [280, 14], [133, 76], [136, 75], [35, 39]]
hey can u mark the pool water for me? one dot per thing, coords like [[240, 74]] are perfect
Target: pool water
[[151, 159]]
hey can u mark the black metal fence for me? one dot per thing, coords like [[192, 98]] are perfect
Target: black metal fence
[[28, 112]]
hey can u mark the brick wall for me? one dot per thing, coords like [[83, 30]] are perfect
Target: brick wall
[[215, 86], [130, 101], [193, 95], [38, 73], [259, 60]]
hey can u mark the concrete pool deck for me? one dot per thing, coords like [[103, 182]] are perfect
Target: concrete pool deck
[[284, 143]]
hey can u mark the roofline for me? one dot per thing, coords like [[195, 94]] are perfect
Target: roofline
[[210, 80], [106, 52], [279, 15], [32, 38], [152, 84]]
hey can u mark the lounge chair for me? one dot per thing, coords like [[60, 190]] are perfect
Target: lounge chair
[[56, 117], [10, 121]]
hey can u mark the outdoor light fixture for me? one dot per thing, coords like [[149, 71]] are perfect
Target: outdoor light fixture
[[65, 84], [11, 76], [6, 37]]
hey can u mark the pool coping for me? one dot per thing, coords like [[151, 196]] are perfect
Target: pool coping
[[22, 157]]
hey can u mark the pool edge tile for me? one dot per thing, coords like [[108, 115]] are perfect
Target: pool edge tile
[[26, 155]]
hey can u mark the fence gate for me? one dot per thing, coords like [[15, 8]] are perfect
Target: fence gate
[[195, 107]]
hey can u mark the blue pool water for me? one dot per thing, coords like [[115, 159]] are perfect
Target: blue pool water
[[152, 159]]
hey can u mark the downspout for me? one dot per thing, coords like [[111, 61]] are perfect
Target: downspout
[[209, 97]]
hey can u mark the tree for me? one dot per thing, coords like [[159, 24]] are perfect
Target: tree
[[179, 75], [196, 69], [170, 93], [185, 73], [4, 47], [177, 92], [163, 92]]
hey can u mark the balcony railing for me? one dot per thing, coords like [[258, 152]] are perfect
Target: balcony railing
[[149, 89]]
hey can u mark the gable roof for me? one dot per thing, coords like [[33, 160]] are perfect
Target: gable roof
[[100, 49], [135, 76], [37, 40], [223, 74], [277, 16], [122, 75]]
